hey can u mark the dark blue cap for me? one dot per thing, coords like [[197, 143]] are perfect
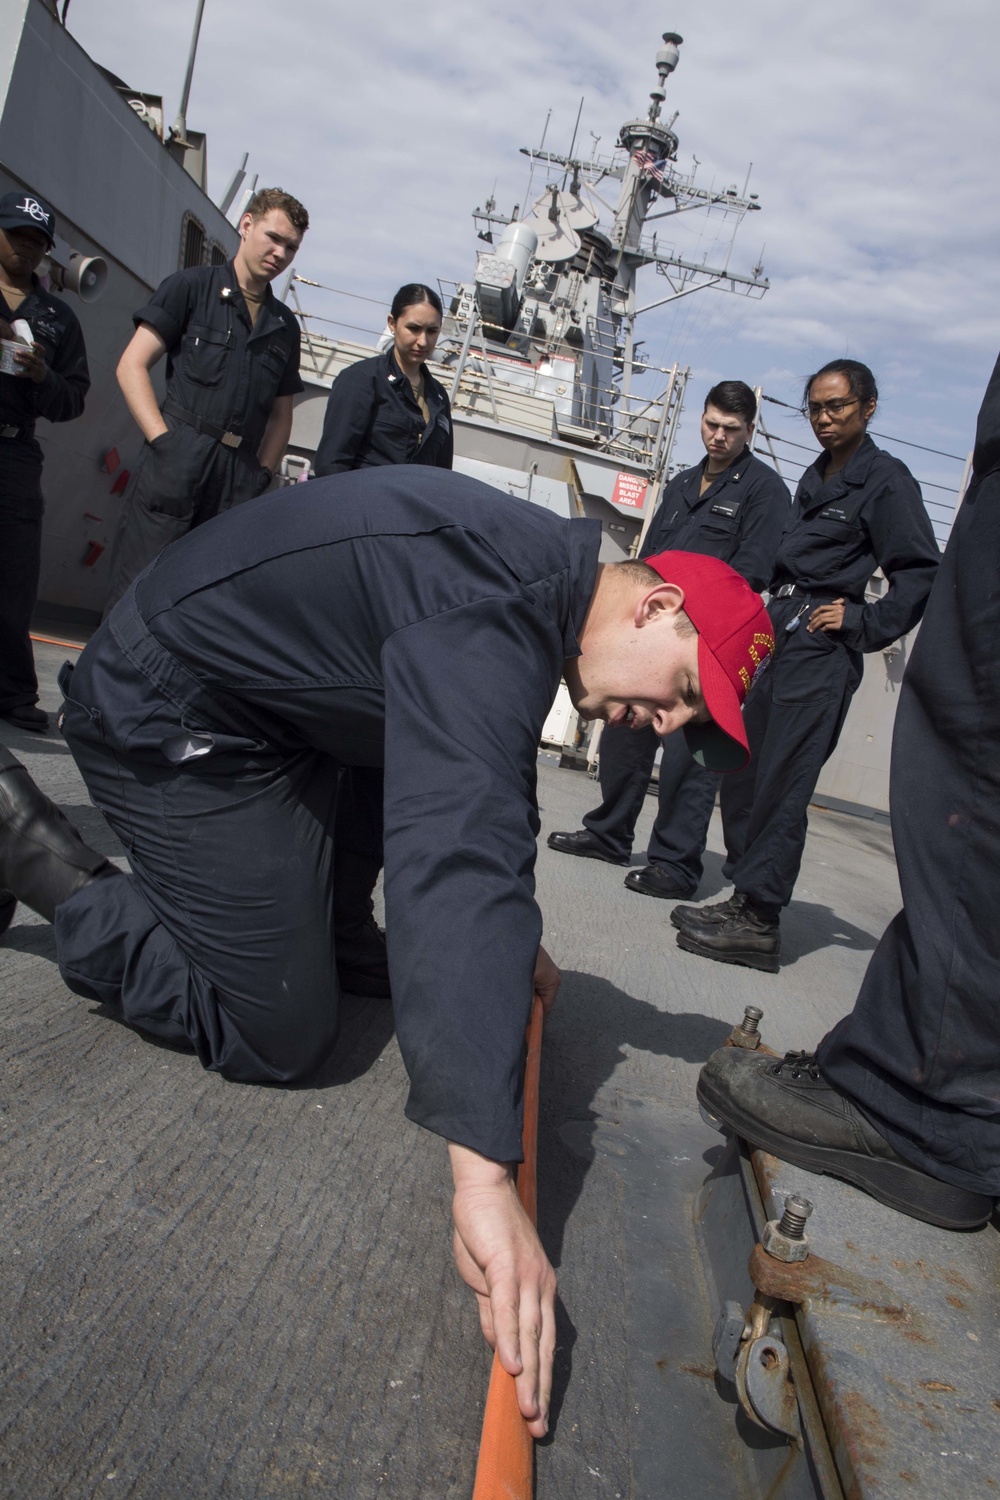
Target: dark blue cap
[[27, 211]]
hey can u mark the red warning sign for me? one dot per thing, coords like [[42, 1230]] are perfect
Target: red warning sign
[[629, 490]]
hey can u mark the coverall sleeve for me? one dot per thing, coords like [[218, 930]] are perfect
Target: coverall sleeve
[[349, 410], [60, 396], [908, 554], [768, 511], [466, 695], [168, 309]]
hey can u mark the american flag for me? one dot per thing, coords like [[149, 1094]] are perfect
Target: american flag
[[649, 164]]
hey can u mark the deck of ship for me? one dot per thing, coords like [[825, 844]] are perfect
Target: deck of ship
[[220, 1291]]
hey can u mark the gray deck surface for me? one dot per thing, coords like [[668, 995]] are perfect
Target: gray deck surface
[[219, 1291]]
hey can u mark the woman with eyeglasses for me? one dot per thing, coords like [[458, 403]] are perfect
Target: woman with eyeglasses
[[856, 509]]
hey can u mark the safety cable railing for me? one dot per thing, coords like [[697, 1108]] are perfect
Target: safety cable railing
[[498, 387], [486, 386]]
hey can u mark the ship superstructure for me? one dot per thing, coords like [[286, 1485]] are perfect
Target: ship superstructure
[[552, 396]]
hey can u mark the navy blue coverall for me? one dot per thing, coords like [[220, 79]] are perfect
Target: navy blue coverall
[[58, 398], [372, 417], [740, 520], [920, 1052], [223, 376], [398, 615], [869, 515]]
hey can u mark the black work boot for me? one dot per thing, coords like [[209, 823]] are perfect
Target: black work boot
[[745, 936], [583, 844], [655, 880], [43, 860], [785, 1107], [27, 716], [707, 916]]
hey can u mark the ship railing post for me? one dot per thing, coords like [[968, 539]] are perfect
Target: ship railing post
[[487, 370], [466, 346], [760, 431], [677, 406], [664, 413], [758, 396], [303, 320], [659, 465]]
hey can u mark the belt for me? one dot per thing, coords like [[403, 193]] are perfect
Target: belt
[[210, 429], [799, 591]]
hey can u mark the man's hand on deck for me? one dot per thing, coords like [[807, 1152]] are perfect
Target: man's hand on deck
[[547, 979], [500, 1256]]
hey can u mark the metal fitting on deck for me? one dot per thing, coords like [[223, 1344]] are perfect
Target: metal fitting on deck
[[785, 1238], [745, 1033]]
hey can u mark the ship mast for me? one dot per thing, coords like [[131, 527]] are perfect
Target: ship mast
[[651, 180]]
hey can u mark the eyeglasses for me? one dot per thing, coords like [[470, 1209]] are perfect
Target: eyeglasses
[[816, 409]]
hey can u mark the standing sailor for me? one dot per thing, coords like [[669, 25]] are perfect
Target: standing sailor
[[902, 1097], [51, 382], [856, 509], [729, 506], [232, 369], [390, 409]]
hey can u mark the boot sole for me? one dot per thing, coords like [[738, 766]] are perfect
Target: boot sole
[[898, 1186], [605, 859], [767, 963], [644, 890]]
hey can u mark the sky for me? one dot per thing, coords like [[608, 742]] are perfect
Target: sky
[[874, 133]]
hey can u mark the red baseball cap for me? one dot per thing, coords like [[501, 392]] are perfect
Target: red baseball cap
[[735, 638]]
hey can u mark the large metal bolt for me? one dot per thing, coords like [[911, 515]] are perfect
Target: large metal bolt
[[785, 1238], [793, 1220], [746, 1034]]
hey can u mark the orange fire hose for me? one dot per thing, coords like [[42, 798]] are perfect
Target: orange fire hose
[[506, 1467], [50, 640]]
